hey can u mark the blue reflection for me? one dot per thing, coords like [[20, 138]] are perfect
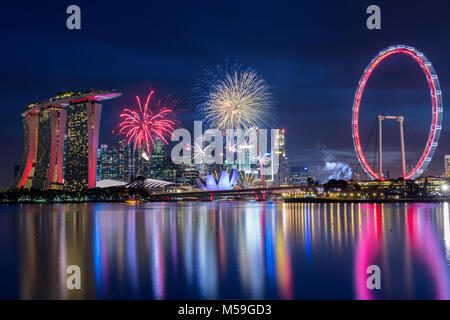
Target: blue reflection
[[97, 255], [270, 257], [307, 236], [239, 250]]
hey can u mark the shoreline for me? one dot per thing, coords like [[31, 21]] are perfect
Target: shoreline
[[404, 200], [293, 200]]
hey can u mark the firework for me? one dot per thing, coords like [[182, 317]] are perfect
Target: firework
[[264, 160], [247, 180], [215, 174], [142, 126], [233, 98], [199, 152], [232, 147], [236, 147]]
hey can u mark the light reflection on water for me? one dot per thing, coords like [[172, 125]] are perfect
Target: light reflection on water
[[217, 250]]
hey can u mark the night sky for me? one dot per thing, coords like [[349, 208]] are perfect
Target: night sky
[[312, 53]]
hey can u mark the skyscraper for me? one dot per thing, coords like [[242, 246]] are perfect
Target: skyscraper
[[125, 157], [284, 173], [156, 165], [61, 136], [42, 162], [109, 162], [300, 176], [99, 164], [140, 162]]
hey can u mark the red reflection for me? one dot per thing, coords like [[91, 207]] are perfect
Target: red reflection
[[424, 247]]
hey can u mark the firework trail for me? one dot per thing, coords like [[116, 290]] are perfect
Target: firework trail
[[236, 147], [264, 160], [233, 98], [142, 126], [199, 152], [247, 180]]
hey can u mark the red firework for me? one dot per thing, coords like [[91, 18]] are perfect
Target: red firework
[[144, 125]]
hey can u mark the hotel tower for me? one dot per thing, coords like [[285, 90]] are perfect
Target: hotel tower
[[61, 141]]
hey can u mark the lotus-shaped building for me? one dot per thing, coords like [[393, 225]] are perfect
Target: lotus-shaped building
[[226, 181]]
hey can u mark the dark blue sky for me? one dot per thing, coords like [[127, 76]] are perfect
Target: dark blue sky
[[312, 53]]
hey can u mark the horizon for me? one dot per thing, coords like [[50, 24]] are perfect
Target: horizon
[[312, 66]]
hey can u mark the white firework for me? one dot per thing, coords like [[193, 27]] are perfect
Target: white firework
[[234, 98]]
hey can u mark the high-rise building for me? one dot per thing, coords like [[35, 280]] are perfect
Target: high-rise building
[[61, 138], [284, 172], [300, 176], [42, 162], [109, 163], [99, 164], [139, 163], [125, 157], [447, 166], [157, 162]]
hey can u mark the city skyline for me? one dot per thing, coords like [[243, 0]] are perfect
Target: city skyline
[[310, 88], [225, 155]]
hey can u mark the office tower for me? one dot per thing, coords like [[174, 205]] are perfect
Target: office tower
[[109, 162], [61, 138], [99, 164], [125, 157], [284, 172], [300, 176], [140, 163], [157, 162]]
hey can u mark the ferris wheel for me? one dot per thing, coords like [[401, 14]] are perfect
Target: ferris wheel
[[436, 109]]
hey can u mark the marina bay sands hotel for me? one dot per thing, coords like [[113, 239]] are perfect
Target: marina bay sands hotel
[[61, 141]]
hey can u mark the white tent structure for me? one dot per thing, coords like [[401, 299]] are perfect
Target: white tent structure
[[107, 183], [150, 183]]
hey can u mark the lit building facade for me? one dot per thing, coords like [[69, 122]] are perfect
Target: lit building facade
[[140, 162], [108, 166], [447, 166], [42, 163], [300, 176], [125, 157], [61, 141], [284, 174], [156, 165]]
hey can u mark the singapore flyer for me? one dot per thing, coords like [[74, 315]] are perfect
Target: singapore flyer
[[436, 109]]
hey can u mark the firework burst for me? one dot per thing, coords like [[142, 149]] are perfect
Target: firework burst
[[142, 126], [233, 98], [263, 160], [247, 180], [199, 152]]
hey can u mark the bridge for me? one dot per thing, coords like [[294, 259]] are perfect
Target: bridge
[[258, 194]]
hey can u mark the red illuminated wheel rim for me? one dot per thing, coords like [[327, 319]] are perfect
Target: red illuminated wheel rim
[[436, 108]]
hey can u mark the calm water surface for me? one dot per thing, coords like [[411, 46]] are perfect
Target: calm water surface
[[225, 250]]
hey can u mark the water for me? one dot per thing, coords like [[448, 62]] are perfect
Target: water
[[215, 250]]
